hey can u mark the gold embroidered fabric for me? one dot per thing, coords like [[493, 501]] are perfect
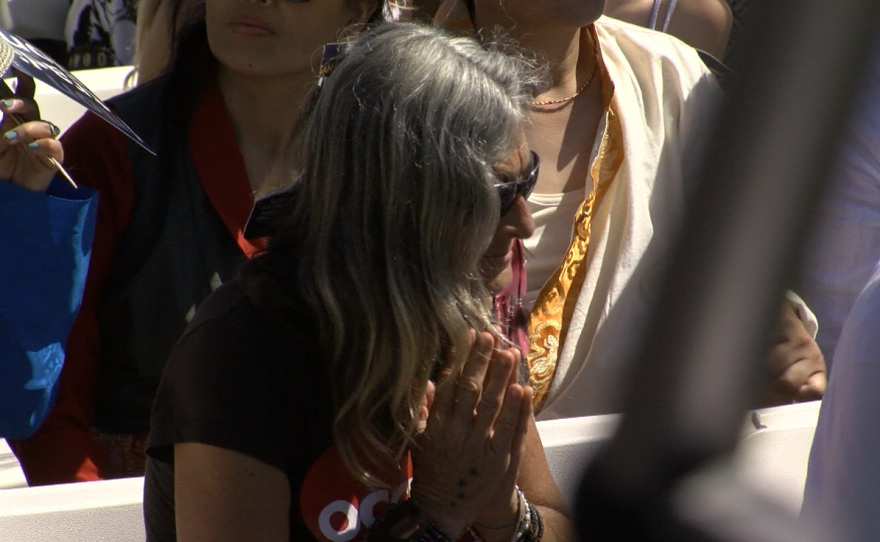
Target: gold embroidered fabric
[[555, 303]]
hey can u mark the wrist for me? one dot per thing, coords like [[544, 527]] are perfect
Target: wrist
[[529, 526], [407, 522], [502, 527], [452, 524]]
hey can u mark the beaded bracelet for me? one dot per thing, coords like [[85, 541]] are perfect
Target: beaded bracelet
[[522, 522], [536, 533], [532, 526]]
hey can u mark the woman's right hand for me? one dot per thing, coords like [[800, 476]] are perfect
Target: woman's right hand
[[25, 148], [473, 441]]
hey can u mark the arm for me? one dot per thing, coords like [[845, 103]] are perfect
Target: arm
[[63, 449], [536, 482], [703, 24], [223, 495]]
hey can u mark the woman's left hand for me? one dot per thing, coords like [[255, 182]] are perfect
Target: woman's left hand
[[25, 148]]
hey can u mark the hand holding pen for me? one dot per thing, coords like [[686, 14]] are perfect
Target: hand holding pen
[[30, 154]]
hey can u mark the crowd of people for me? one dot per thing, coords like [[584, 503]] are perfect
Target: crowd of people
[[473, 202]]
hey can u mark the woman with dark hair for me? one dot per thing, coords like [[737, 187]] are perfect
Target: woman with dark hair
[[292, 404], [169, 226]]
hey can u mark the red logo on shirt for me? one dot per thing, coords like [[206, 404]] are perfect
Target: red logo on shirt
[[338, 508]]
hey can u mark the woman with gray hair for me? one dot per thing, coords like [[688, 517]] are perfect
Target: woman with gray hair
[[300, 404]]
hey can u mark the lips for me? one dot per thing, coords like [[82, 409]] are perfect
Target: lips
[[250, 26], [498, 260]]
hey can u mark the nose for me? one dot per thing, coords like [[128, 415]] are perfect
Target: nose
[[518, 220]]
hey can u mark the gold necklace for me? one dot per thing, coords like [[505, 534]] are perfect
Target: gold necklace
[[584, 86], [575, 95]]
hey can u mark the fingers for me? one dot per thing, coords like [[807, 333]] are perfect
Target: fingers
[[444, 396], [518, 442], [469, 385], [430, 390], [517, 361], [795, 356], [25, 86], [814, 389], [425, 408], [799, 373], [25, 109], [495, 389], [38, 137], [31, 131], [508, 422]]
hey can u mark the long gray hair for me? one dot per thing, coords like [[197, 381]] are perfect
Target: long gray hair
[[395, 208]]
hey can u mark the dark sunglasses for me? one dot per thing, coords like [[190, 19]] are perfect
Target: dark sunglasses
[[508, 192]]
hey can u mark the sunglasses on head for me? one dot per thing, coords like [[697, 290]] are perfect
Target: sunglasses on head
[[508, 192]]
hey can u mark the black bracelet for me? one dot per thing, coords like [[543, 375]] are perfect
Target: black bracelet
[[536, 525]]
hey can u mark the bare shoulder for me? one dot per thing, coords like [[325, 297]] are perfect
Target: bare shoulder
[[637, 12], [704, 24]]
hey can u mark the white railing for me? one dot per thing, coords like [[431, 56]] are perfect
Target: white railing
[[772, 458], [11, 475], [108, 511]]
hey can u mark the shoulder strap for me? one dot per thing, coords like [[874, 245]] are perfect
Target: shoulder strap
[[655, 9], [668, 18]]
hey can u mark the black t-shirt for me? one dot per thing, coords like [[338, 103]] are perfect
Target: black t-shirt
[[241, 381]]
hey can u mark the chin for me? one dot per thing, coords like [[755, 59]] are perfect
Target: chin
[[584, 13], [499, 281]]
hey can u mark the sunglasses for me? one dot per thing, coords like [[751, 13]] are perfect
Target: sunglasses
[[508, 192]]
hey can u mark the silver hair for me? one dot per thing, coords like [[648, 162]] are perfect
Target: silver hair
[[395, 208]]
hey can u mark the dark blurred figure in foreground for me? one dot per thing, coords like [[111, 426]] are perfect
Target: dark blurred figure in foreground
[[846, 245], [843, 479]]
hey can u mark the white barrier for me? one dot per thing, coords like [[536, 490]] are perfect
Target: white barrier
[[569, 445], [11, 475], [775, 450], [772, 458], [108, 511]]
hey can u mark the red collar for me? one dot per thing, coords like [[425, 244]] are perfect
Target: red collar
[[220, 165]]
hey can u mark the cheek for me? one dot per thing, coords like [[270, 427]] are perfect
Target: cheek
[[498, 279]]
